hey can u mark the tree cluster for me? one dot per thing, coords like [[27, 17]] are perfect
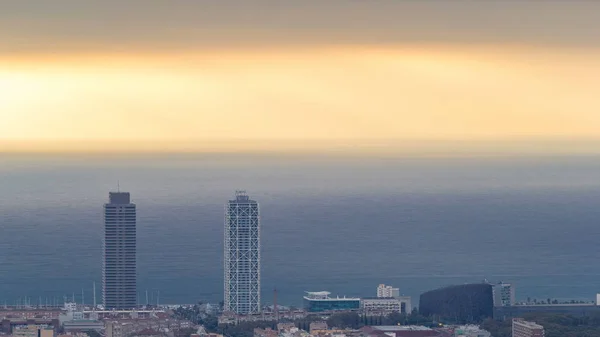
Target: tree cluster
[[555, 325], [342, 320]]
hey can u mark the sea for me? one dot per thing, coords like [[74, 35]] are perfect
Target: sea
[[343, 224]]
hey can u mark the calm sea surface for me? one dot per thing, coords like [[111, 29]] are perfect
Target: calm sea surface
[[342, 225]]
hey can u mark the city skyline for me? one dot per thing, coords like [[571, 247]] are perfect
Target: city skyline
[[426, 168]]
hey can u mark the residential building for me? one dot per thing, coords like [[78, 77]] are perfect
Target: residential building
[[21, 326], [268, 332], [119, 279], [504, 295], [386, 305], [242, 255], [33, 331], [113, 329], [285, 326], [522, 328], [317, 326], [399, 331], [320, 301], [387, 291], [149, 333], [83, 325]]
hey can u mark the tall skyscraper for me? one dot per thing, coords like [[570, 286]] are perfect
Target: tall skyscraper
[[119, 285], [242, 255]]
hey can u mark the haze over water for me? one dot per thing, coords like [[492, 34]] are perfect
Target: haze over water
[[340, 224]]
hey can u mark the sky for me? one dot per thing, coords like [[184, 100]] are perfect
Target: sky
[[201, 75]]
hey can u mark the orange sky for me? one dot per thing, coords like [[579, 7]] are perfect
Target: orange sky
[[445, 90]]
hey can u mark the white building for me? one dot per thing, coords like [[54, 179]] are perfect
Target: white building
[[522, 328], [471, 331], [387, 291], [70, 306], [504, 294], [385, 305], [242, 255]]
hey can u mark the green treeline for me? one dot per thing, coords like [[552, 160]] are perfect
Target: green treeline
[[555, 325]]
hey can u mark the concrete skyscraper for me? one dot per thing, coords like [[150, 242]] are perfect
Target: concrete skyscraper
[[119, 279], [242, 255]]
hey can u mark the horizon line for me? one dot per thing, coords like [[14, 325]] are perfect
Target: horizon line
[[370, 146]]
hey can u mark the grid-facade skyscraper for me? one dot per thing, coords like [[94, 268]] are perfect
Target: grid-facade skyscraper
[[119, 279], [242, 255]]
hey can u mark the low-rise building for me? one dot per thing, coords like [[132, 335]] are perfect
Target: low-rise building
[[387, 291], [385, 305], [336, 333], [285, 326], [129, 327], [82, 325], [148, 333], [522, 328], [293, 332], [399, 331], [320, 302], [33, 331], [268, 332], [38, 313], [470, 331], [10, 325], [318, 326]]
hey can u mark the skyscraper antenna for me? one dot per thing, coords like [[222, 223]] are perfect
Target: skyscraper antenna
[[118, 186]]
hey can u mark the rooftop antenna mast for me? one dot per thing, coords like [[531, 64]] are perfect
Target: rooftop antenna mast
[[94, 286], [118, 186]]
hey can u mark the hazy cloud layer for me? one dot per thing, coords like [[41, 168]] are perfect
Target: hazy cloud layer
[[64, 25]]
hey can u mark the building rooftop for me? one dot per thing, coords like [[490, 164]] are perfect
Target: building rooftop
[[528, 324], [119, 198], [317, 293], [390, 328], [242, 197], [384, 298], [324, 296]]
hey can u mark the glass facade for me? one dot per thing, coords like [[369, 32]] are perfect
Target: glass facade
[[459, 304], [119, 276], [331, 304]]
